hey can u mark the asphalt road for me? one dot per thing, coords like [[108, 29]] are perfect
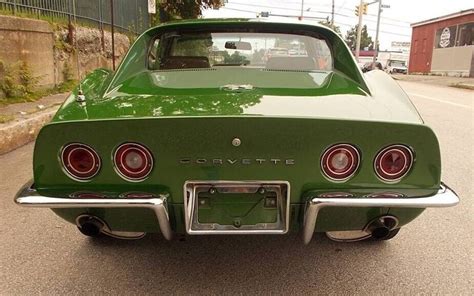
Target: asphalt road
[[41, 254]]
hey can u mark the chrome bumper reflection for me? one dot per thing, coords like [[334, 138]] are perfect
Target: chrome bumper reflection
[[444, 198], [29, 197]]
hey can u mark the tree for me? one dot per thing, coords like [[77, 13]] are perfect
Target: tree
[[184, 9], [365, 39], [235, 58], [327, 23]]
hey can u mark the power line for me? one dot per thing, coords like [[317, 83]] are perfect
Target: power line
[[313, 11], [312, 17], [351, 9]]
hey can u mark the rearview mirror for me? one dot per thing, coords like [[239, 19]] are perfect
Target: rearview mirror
[[240, 45]]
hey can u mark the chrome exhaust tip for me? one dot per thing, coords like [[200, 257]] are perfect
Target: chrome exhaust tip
[[381, 227], [90, 225], [94, 226]]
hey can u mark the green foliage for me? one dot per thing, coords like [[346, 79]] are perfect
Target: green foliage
[[257, 56], [184, 9], [335, 28], [365, 40], [63, 87], [27, 79], [235, 58], [9, 81], [18, 83], [6, 118]]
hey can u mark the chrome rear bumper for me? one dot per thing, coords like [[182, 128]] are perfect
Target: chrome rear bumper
[[445, 197], [29, 197]]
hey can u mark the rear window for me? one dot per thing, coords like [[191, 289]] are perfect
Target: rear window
[[274, 51]]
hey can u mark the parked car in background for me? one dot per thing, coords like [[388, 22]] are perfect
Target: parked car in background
[[372, 66], [396, 67], [173, 143], [276, 52]]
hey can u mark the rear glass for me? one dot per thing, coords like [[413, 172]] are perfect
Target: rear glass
[[274, 51]]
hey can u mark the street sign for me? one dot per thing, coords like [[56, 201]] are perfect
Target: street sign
[[151, 6]]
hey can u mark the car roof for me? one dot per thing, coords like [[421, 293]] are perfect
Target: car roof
[[244, 20]]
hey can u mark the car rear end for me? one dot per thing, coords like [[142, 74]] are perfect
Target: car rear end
[[207, 139], [243, 175]]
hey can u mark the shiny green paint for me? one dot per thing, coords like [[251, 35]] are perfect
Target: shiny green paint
[[323, 95], [288, 115]]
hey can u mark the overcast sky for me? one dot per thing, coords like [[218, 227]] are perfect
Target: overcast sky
[[395, 21]]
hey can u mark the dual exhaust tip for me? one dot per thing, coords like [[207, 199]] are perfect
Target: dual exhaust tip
[[380, 228]]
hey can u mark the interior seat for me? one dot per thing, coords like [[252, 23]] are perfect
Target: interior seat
[[184, 62]]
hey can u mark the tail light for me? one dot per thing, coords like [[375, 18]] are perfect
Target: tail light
[[80, 161], [133, 161], [340, 162], [393, 162]]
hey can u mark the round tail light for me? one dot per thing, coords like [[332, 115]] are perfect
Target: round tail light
[[80, 161], [340, 162], [133, 161], [393, 162]]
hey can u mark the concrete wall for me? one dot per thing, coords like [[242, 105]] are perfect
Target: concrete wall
[[33, 41], [30, 41], [453, 61]]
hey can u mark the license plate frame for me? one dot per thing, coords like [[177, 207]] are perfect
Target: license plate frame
[[194, 227]]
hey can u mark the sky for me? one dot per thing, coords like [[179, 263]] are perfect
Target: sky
[[395, 21]]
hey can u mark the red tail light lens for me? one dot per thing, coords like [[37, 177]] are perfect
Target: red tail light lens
[[393, 162], [133, 161], [340, 162], [80, 161]]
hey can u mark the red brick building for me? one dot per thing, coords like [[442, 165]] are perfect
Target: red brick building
[[444, 45]]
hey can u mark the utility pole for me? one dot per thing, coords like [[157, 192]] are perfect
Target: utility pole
[[112, 29], [376, 51], [302, 7], [359, 30], [332, 14]]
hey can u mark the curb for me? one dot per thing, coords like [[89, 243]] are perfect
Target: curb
[[17, 134], [463, 85]]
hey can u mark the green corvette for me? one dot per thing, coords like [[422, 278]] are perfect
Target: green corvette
[[238, 127]]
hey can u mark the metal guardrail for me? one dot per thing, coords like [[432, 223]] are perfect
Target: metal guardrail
[[129, 15]]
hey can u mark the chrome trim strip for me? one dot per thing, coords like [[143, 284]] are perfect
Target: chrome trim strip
[[29, 197], [444, 198]]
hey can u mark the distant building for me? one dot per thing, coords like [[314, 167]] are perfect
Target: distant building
[[444, 45], [400, 46], [365, 56]]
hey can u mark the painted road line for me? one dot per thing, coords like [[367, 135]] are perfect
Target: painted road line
[[440, 101]]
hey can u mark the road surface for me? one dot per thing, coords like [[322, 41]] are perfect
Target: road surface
[[41, 254]]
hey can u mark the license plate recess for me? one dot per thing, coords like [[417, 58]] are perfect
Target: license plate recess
[[236, 207]]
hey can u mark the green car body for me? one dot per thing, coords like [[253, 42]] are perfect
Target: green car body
[[283, 126]]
